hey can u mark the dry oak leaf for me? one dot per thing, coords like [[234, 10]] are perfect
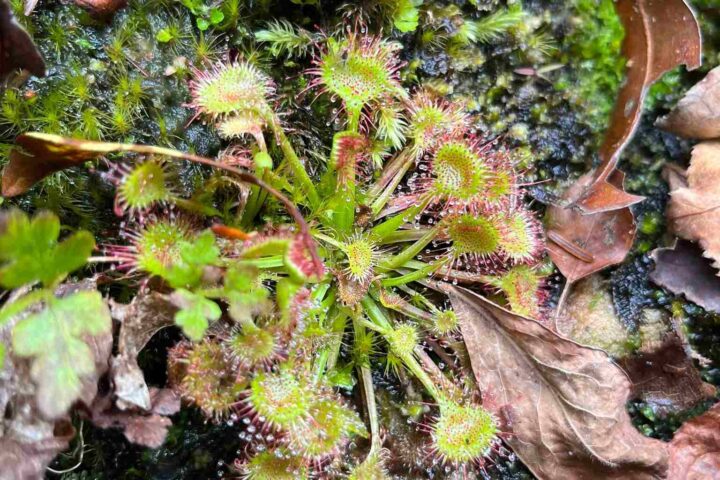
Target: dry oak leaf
[[694, 211], [695, 448], [697, 114], [581, 244], [683, 270], [565, 402]]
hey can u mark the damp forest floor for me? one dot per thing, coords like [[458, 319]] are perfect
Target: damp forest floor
[[117, 80]]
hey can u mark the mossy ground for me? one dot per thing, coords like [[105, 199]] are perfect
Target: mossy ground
[[125, 80]]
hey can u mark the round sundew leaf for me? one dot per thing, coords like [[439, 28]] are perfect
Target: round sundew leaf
[[253, 346], [463, 433], [459, 173], [403, 339], [282, 398], [231, 89], [158, 245], [360, 70], [473, 235], [274, 465], [331, 427], [144, 186], [519, 237]]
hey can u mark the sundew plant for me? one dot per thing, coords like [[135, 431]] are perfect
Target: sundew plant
[[318, 272], [406, 197]]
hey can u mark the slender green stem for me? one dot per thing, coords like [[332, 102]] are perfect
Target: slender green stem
[[319, 365], [265, 262], [413, 276], [354, 120], [376, 315], [338, 328], [411, 251], [409, 235], [409, 310], [369, 395], [296, 166], [405, 162], [328, 239], [417, 370], [392, 224], [417, 295], [388, 174]]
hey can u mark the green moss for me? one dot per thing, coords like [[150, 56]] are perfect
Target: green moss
[[595, 64]]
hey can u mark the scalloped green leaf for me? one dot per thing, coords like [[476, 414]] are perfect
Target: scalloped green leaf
[[195, 314], [30, 252], [194, 257], [56, 338]]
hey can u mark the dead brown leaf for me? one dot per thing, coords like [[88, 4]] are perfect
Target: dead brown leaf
[[25, 455], [139, 321], [594, 228], [659, 36], [694, 211], [148, 429], [661, 370], [37, 158], [102, 8], [697, 114], [683, 270], [17, 49], [589, 318], [565, 402], [581, 244], [665, 377], [695, 448], [164, 401]]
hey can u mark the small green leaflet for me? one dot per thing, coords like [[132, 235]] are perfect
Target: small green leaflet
[[194, 257], [195, 314], [216, 16], [54, 339], [30, 252], [406, 15], [164, 36]]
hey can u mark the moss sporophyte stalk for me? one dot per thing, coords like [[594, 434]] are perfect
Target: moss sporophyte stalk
[[281, 318]]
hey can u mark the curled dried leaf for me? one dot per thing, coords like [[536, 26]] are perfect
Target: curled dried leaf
[[694, 211], [582, 244], [659, 36], [695, 448], [683, 270], [17, 49], [697, 114]]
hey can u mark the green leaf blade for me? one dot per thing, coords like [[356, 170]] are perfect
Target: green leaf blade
[[55, 339]]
